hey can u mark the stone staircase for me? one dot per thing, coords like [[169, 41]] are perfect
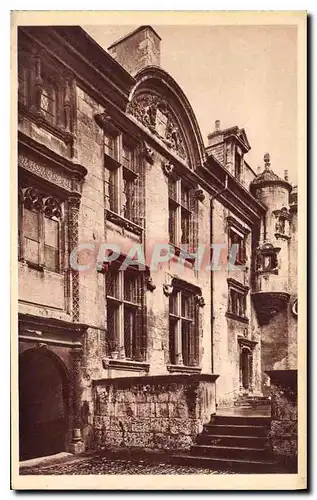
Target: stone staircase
[[233, 443]]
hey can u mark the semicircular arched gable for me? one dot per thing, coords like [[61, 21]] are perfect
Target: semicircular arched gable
[[161, 106]]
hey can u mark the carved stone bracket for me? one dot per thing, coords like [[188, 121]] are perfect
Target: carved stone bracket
[[150, 285], [167, 289], [200, 300], [268, 304], [105, 122], [147, 153], [199, 194], [168, 168]]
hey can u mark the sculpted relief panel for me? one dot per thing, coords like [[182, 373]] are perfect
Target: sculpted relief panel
[[155, 114]]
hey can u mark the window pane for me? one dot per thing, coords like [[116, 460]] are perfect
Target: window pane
[[172, 189], [186, 343], [172, 340], [31, 224], [131, 288], [185, 227], [48, 100], [173, 304], [112, 283], [172, 223], [237, 165], [127, 156], [31, 251], [51, 232], [185, 197], [187, 306], [112, 324], [110, 146], [51, 258], [129, 331], [128, 195]]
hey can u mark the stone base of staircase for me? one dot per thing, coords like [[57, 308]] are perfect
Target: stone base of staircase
[[249, 401], [237, 444]]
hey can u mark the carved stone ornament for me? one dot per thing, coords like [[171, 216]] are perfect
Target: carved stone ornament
[[52, 208], [150, 285], [156, 114], [200, 300], [199, 194], [33, 199], [167, 290], [104, 120], [168, 168], [148, 153]]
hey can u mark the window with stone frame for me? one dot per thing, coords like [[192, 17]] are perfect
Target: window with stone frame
[[123, 178], [235, 238], [183, 326], [237, 300], [40, 229], [182, 214], [237, 235], [125, 312]]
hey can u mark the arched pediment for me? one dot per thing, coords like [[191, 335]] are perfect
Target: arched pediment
[[160, 105]]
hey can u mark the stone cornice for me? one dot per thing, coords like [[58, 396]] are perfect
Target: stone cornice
[[29, 323], [30, 148], [181, 378], [236, 197]]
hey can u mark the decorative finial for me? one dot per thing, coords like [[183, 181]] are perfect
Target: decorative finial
[[267, 160], [286, 175]]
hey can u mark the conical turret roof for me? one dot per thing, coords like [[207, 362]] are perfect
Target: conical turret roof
[[268, 177]]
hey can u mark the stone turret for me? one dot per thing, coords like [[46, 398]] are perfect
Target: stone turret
[[271, 292]]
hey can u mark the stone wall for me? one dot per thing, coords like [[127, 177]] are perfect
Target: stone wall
[[152, 412], [283, 433]]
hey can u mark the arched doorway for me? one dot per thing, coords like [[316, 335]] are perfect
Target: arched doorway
[[43, 403]]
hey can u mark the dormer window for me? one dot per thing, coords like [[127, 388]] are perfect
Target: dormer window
[[46, 93]]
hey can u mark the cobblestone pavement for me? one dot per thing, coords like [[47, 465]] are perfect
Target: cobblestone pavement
[[105, 465]]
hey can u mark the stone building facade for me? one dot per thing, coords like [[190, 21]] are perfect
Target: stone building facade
[[110, 153]]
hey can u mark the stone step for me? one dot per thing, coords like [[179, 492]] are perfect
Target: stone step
[[231, 440], [241, 420], [231, 465], [236, 430], [216, 451]]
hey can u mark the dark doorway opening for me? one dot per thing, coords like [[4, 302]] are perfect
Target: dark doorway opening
[[43, 404], [245, 368]]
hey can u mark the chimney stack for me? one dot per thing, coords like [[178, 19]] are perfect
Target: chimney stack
[[286, 175], [217, 125], [138, 49]]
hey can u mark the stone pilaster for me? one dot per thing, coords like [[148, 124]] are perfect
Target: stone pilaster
[[76, 445]]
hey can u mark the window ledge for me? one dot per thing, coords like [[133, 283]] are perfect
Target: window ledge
[[126, 365], [37, 117], [237, 317], [183, 369], [267, 271], [122, 222], [179, 252]]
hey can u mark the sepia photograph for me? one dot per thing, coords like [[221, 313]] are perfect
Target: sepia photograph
[[156, 321]]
